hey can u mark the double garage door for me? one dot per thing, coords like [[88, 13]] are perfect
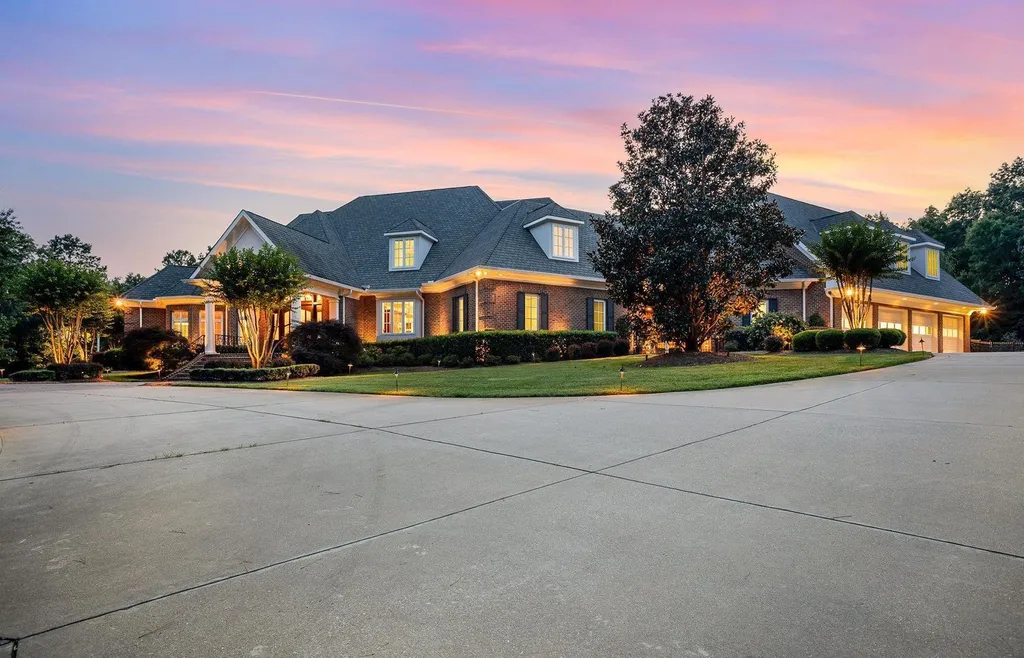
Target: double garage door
[[924, 331]]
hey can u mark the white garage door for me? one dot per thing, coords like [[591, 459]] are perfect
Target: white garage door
[[925, 325], [893, 318], [952, 333]]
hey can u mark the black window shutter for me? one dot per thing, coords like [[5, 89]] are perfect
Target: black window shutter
[[590, 314], [455, 314], [465, 312], [746, 320], [773, 305], [544, 310], [609, 315], [520, 310]]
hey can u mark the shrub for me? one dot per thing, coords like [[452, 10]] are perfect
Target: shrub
[[37, 375], [620, 347], [512, 360], [605, 347], [467, 362], [891, 338], [327, 363], [815, 320], [572, 352], [282, 361], [476, 345], [450, 361], [171, 356], [772, 343], [74, 371], [139, 345], [588, 350], [731, 346], [226, 363], [806, 341], [112, 358], [426, 360], [778, 324], [491, 360], [405, 360], [828, 340], [254, 374], [339, 343], [869, 338], [552, 353], [738, 336]]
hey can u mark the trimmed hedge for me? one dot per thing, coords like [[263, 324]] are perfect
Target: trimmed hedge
[[470, 344], [621, 347], [112, 358], [140, 347], [329, 344], [254, 374], [891, 338], [63, 372], [828, 340], [772, 344], [739, 337], [869, 338], [36, 375], [805, 341]]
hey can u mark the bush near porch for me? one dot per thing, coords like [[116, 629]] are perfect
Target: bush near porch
[[254, 374]]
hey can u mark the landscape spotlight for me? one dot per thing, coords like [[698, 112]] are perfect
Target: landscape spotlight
[[861, 348], [622, 376], [922, 344], [350, 368], [396, 380]]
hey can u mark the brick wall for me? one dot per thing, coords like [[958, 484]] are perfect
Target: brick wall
[[567, 306], [437, 310], [366, 318], [791, 301], [151, 317]]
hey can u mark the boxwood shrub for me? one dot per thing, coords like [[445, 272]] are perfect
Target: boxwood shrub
[[254, 374], [828, 340], [468, 344], [75, 371], [891, 338], [621, 347], [112, 358], [869, 338], [772, 344], [805, 341], [37, 375]]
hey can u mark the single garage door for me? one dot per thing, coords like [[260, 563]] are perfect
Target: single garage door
[[892, 318], [925, 325], [952, 333]]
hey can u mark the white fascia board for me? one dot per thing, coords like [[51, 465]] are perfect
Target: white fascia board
[[552, 218], [936, 245], [802, 248], [224, 235], [398, 234]]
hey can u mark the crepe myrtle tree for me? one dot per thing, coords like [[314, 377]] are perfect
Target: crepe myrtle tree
[[854, 255], [257, 284], [692, 235]]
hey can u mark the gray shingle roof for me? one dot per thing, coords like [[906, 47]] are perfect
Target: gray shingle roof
[[168, 282], [411, 226]]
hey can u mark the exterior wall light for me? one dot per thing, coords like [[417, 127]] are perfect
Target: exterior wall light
[[120, 302]]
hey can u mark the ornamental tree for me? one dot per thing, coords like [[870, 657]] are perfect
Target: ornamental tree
[[854, 255], [692, 235], [63, 295], [257, 284]]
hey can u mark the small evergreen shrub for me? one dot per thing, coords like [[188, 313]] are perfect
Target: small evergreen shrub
[[829, 340], [572, 352], [891, 338], [773, 324], [426, 360], [63, 372], [552, 353], [731, 346], [254, 374], [806, 341], [37, 375], [329, 364], [772, 344], [450, 361], [620, 347], [738, 336], [492, 360], [112, 358], [140, 345], [467, 362], [405, 360], [588, 351], [512, 360], [338, 343], [816, 320], [869, 338]]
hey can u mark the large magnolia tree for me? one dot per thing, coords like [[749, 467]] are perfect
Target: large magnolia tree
[[257, 284], [692, 235], [854, 255], [63, 295]]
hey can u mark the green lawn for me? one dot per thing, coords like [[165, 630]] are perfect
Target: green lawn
[[594, 377], [130, 376]]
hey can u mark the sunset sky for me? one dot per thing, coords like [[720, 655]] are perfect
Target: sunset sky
[[147, 129]]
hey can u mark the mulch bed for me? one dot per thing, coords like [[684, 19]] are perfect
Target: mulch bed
[[693, 359]]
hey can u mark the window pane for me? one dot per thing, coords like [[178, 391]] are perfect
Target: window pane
[[179, 322], [385, 318], [409, 318], [532, 315], [933, 263], [461, 310], [599, 314], [570, 248], [410, 250]]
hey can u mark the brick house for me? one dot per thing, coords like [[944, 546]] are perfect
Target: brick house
[[438, 261]]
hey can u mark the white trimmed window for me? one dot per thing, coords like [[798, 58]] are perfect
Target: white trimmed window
[[950, 332], [397, 318], [932, 262], [890, 325], [403, 253], [599, 315], [531, 316], [923, 330], [179, 323], [563, 241]]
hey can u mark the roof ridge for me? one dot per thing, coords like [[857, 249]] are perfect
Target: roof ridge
[[287, 226], [432, 189]]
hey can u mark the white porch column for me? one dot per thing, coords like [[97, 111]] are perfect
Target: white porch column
[[335, 304], [296, 318], [211, 337]]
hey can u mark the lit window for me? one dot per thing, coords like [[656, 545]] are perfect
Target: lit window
[[903, 264], [179, 323], [403, 252], [599, 321], [933, 263], [532, 312], [950, 332], [564, 241], [923, 330], [890, 325], [397, 318], [218, 322], [460, 313]]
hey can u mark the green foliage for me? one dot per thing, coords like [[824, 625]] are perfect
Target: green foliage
[[605, 347], [141, 348], [553, 353], [121, 285], [524, 344], [182, 257], [692, 234], [731, 346], [112, 358], [588, 350], [891, 338], [450, 361], [171, 356], [75, 371], [36, 375], [772, 344], [829, 340], [254, 374], [492, 360], [739, 336], [330, 344], [572, 352], [779, 324], [512, 360], [806, 341], [869, 338], [16, 248], [71, 250], [854, 255], [620, 347], [815, 320]]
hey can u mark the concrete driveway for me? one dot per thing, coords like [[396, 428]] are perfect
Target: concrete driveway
[[866, 515]]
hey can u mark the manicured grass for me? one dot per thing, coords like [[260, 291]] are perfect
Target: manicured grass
[[593, 377], [130, 376]]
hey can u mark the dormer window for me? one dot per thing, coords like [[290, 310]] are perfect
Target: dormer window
[[403, 253], [932, 263], [563, 241]]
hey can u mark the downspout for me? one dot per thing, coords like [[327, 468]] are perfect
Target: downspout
[[831, 312], [476, 304], [803, 290], [423, 313], [342, 300], [140, 314]]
